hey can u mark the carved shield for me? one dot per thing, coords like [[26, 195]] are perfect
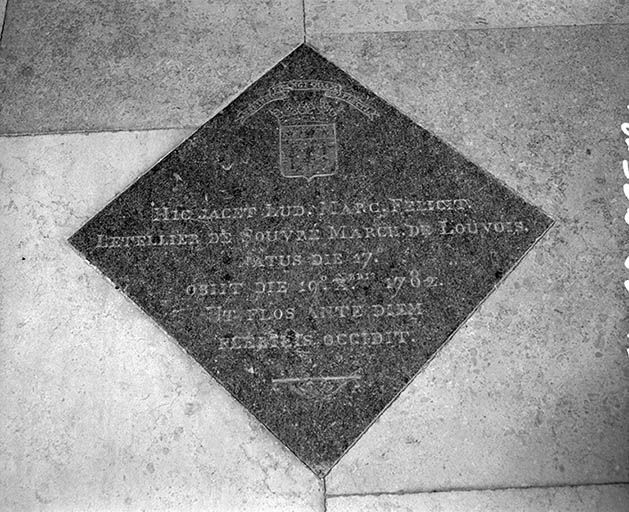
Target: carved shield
[[308, 150]]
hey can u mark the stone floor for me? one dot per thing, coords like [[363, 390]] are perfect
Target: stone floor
[[525, 409]]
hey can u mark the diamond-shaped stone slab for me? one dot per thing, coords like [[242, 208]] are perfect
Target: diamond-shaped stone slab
[[312, 248]]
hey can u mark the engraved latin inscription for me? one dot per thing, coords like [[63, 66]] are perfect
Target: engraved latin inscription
[[315, 265]]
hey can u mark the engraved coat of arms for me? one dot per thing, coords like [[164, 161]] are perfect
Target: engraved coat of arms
[[306, 112], [308, 146]]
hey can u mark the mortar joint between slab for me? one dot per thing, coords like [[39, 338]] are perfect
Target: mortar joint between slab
[[471, 29], [474, 489], [4, 20], [303, 17]]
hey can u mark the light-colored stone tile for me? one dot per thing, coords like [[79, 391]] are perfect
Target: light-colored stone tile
[[590, 498], [533, 389], [100, 409], [343, 16], [120, 64]]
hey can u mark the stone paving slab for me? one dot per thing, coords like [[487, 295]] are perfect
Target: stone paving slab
[[603, 498], [100, 409], [307, 135], [75, 66], [343, 16], [532, 391]]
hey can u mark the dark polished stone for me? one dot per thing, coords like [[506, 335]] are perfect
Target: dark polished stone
[[312, 248]]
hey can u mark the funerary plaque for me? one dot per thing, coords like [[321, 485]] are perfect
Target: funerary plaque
[[311, 247]]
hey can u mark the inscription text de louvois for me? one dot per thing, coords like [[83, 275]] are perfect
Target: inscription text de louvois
[[316, 231]]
